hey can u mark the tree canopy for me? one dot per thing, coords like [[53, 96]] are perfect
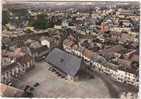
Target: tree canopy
[[42, 22]]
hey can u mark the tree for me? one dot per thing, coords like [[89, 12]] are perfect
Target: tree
[[42, 22], [5, 18], [135, 64], [28, 31], [121, 23]]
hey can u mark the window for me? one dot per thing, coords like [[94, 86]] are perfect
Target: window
[[3, 79], [17, 70], [13, 72], [21, 69], [28, 64]]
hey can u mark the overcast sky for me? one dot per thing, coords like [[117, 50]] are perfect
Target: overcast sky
[[61, 3], [69, 0]]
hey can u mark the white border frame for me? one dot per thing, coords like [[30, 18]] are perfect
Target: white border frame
[[1, 1]]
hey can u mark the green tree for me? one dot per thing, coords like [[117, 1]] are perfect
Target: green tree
[[4, 17], [42, 22], [28, 31]]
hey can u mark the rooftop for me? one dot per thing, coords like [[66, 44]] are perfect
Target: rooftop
[[68, 42], [116, 48], [8, 91], [65, 62]]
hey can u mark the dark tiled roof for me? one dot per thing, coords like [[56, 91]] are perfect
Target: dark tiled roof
[[65, 62], [39, 50], [9, 67]]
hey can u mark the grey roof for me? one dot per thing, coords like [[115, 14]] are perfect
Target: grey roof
[[40, 49], [9, 67], [65, 62]]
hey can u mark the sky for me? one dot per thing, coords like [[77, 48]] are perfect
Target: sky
[[59, 3], [68, 0]]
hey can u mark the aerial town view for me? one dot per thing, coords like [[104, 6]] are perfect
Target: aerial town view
[[70, 49]]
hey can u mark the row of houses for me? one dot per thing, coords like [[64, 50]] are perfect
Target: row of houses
[[15, 70], [92, 59], [42, 46], [13, 73], [15, 64]]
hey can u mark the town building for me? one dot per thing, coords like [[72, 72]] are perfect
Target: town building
[[9, 91], [66, 63]]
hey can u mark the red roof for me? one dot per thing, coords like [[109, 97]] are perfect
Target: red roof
[[88, 53], [135, 58], [17, 52], [24, 59], [110, 51], [3, 89], [116, 48], [68, 42], [9, 91], [104, 28]]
